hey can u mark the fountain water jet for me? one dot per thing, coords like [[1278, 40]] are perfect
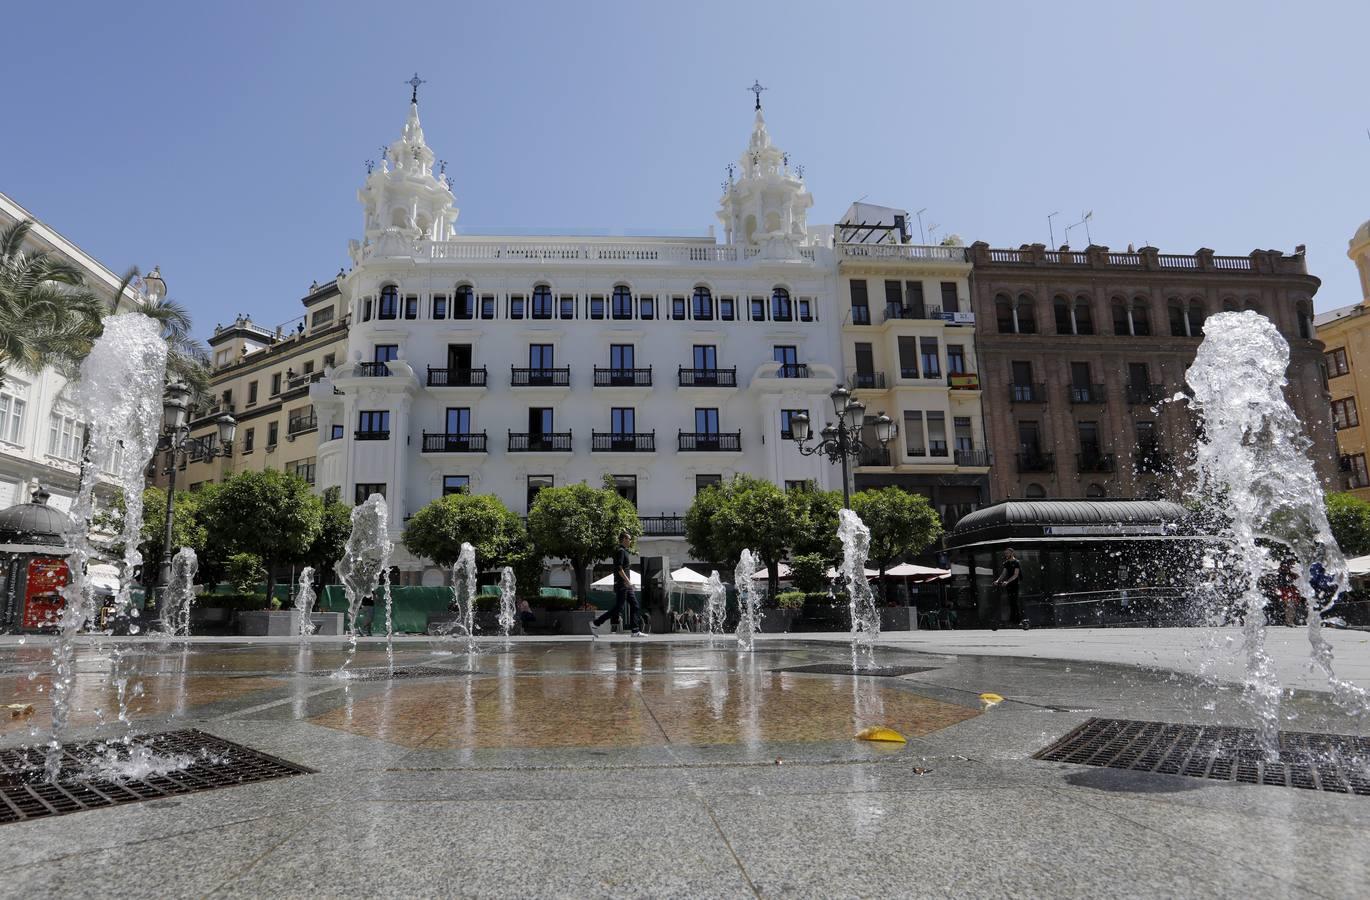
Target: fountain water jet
[[748, 601], [716, 605], [366, 559], [464, 595], [506, 601], [1251, 463], [119, 393], [865, 615], [304, 604], [180, 592]]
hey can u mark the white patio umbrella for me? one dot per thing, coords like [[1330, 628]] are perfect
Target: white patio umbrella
[[782, 569], [608, 580], [687, 580], [958, 569], [832, 573], [909, 570], [1358, 566]]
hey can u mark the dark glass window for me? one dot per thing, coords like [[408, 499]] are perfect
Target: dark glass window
[[703, 482], [458, 420], [371, 421], [678, 308], [386, 352], [439, 306], [727, 309], [487, 306], [596, 307], [782, 310], [465, 303], [703, 304], [805, 309], [542, 302], [621, 356], [411, 307], [705, 356], [758, 309], [622, 302], [706, 421], [647, 307], [273, 433], [456, 484], [535, 484], [516, 306], [785, 416], [568, 306], [365, 490], [623, 420], [390, 303]]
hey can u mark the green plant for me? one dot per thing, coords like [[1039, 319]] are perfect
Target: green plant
[[275, 603], [1349, 518], [239, 602], [901, 524], [244, 572], [809, 572], [580, 524], [744, 513], [790, 600], [439, 529], [270, 514], [555, 604]]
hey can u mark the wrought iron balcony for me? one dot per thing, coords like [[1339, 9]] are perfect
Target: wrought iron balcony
[[860, 315], [464, 442], [623, 377], [793, 370], [457, 377], [535, 442], [1036, 462], [874, 456], [896, 311], [1095, 461], [710, 441], [540, 377], [623, 441], [871, 381], [372, 435], [726, 378], [662, 526], [973, 458], [1087, 393], [372, 369], [1028, 393], [1145, 394]]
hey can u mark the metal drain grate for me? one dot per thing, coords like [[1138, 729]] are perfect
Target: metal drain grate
[[25, 792], [846, 669], [1338, 763], [382, 673]]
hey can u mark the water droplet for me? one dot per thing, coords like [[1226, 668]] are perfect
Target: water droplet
[[32, 675]]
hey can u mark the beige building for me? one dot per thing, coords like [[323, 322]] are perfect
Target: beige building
[[1345, 333], [261, 377]]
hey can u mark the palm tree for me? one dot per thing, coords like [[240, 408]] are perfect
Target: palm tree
[[187, 359], [47, 316]]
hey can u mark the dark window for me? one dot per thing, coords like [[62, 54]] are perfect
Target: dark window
[[913, 299], [1004, 315], [252, 392], [465, 307], [487, 306], [1359, 476], [913, 433], [321, 317], [860, 302], [647, 307], [706, 421], [439, 306], [535, 484], [1022, 372], [865, 365], [273, 433], [458, 420], [1196, 319], [801, 484], [785, 416], [703, 304], [1305, 322], [950, 302], [373, 421], [459, 358], [364, 491], [727, 309], [965, 436], [1061, 307], [1029, 439], [937, 433], [542, 302], [540, 420], [621, 357], [249, 440], [805, 309], [622, 302], [1027, 315], [894, 299], [626, 486], [329, 360], [596, 307], [516, 306], [1178, 325], [411, 307], [390, 303], [275, 384], [932, 367], [758, 309], [1138, 375], [623, 420], [1141, 318], [705, 356], [386, 352], [1344, 414], [788, 357], [568, 306], [703, 482], [456, 484], [366, 310], [678, 308], [540, 356], [336, 433], [956, 359], [1084, 319], [1079, 374], [908, 357], [782, 310], [1336, 362]]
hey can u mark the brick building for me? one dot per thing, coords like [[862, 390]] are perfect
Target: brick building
[[1079, 349]]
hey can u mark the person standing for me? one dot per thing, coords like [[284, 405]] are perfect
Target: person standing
[[1007, 582], [623, 589]]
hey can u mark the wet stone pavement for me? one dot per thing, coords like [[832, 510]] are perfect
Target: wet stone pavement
[[666, 768]]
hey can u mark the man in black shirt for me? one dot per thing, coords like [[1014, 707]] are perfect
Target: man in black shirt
[[1008, 579], [623, 589]]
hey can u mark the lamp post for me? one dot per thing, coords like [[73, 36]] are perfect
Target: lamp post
[[842, 441], [176, 440]]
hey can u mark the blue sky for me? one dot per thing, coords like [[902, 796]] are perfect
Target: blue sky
[[226, 141]]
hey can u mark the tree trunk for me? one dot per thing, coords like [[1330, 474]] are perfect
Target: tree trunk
[[582, 586], [270, 580], [773, 577], [884, 588]]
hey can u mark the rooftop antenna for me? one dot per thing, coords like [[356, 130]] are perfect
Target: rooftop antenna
[[922, 236], [1051, 232], [1085, 222], [932, 232]]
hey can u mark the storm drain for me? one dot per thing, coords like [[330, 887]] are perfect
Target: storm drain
[[384, 673], [1338, 763], [847, 669], [210, 762]]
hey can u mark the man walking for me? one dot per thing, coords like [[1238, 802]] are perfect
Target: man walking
[[623, 589], [1007, 582]]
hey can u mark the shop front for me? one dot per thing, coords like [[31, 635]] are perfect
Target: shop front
[[33, 567]]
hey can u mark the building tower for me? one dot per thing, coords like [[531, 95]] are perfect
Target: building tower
[[765, 209]]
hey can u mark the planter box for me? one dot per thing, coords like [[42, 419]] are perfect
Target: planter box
[[285, 623], [778, 621], [898, 618], [573, 621]]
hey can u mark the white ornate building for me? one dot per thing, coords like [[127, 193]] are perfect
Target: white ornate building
[[503, 365]]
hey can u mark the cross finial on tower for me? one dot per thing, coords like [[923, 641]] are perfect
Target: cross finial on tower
[[414, 83], [756, 88]]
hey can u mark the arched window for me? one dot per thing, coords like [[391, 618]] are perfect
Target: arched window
[[1034, 491], [1003, 312], [1229, 305], [1061, 307], [1027, 317], [781, 310], [1141, 317], [1305, 321], [702, 304], [390, 303], [1178, 326], [1196, 318], [464, 303], [622, 302], [542, 301], [1084, 319], [1122, 322], [1252, 305], [1095, 492]]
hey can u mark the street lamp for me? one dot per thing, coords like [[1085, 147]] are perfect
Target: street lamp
[[176, 440], [842, 441]]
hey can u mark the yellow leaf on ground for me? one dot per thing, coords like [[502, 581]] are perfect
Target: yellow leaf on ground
[[990, 699], [880, 733]]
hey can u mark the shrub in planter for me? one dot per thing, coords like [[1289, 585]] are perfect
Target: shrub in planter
[[555, 604], [235, 602], [792, 600]]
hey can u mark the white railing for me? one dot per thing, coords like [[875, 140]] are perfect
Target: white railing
[[1178, 261], [616, 252], [1125, 259], [1010, 256], [1237, 263], [917, 252]]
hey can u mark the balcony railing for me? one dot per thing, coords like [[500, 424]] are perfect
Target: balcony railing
[[793, 370], [860, 315], [301, 382], [1149, 457], [897, 311], [874, 456], [726, 378], [901, 251], [372, 369], [540, 377], [1145, 394], [372, 435], [1036, 462], [1095, 461], [536, 442], [1087, 393], [623, 442], [976, 458], [302, 424], [623, 377], [1028, 393], [871, 381], [457, 377], [464, 442], [662, 526], [710, 441]]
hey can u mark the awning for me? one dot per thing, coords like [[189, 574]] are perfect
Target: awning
[[909, 570], [1358, 566], [607, 582]]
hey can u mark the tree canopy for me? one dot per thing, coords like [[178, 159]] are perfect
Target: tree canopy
[[188, 528], [580, 524], [901, 523], [750, 513], [270, 514], [1349, 517], [438, 530]]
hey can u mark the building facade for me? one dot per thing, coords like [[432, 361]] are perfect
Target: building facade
[[1345, 333], [1081, 351], [261, 376], [41, 434]]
